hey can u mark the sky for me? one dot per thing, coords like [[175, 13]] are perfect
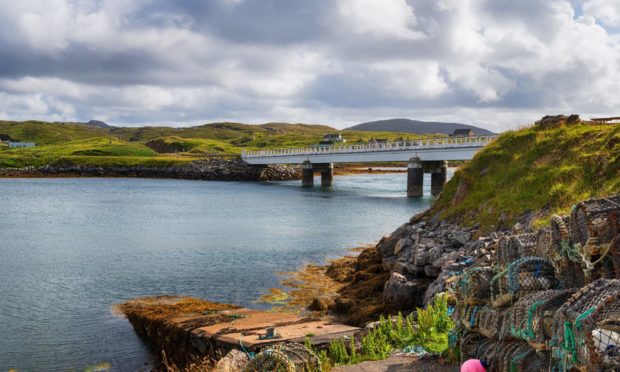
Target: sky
[[499, 64]]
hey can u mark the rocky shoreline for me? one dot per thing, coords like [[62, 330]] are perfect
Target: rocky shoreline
[[211, 169]]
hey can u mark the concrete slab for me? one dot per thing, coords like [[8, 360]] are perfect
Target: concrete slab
[[321, 332], [250, 320]]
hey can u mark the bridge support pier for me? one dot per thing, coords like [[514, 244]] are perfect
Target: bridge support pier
[[307, 174], [415, 178], [439, 174], [327, 174]]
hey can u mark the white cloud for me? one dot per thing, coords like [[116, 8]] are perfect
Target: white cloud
[[606, 11], [386, 18], [152, 61]]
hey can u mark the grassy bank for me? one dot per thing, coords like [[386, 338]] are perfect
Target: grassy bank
[[533, 171]]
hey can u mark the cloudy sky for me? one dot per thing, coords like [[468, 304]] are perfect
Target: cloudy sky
[[495, 63]]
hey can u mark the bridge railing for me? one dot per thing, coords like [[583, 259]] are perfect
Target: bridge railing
[[421, 144]]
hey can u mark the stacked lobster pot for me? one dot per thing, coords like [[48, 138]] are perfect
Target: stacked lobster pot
[[534, 310], [587, 328]]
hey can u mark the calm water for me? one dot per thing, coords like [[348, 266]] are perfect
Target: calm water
[[71, 248]]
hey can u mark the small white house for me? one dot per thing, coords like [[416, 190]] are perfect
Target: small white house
[[21, 145], [334, 137]]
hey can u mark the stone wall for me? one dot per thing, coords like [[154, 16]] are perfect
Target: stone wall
[[212, 169]]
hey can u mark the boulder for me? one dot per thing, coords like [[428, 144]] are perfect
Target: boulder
[[387, 245], [402, 244], [400, 293]]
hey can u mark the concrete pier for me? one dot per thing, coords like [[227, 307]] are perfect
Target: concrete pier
[[327, 174], [307, 174], [415, 178], [439, 175], [189, 329]]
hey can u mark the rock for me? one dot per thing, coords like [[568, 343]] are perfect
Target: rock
[[431, 271], [320, 303], [421, 257], [435, 254], [402, 244], [388, 263], [400, 267], [400, 293], [552, 121], [234, 361], [461, 237], [388, 243]]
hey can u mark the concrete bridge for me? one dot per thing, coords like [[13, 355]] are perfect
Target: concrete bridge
[[423, 156]]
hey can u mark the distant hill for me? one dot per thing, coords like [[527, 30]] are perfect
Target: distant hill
[[416, 126], [99, 124]]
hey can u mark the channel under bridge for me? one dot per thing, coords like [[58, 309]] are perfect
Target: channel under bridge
[[423, 156]]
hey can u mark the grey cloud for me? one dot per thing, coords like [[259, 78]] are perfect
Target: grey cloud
[[185, 61]]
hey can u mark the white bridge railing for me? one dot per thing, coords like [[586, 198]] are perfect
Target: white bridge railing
[[421, 144]]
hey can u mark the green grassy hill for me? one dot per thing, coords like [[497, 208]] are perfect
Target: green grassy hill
[[534, 169], [80, 143]]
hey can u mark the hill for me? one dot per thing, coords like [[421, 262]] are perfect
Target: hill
[[416, 126], [96, 144], [527, 175]]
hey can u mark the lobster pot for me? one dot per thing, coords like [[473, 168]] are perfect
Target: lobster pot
[[560, 231], [587, 327], [513, 247], [526, 359], [594, 222], [545, 246], [290, 357], [530, 274], [506, 351], [531, 317], [471, 316], [500, 296], [474, 346], [490, 322], [474, 285]]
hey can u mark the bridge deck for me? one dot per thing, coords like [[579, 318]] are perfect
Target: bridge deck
[[435, 149]]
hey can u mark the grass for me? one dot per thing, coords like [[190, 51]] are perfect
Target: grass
[[82, 144], [533, 169], [429, 330]]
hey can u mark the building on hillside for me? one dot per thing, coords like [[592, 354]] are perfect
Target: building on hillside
[[331, 138], [334, 138], [21, 145], [463, 133]]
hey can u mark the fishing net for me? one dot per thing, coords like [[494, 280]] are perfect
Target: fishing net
[[587, 327], [531, 317], [474, 284], [594, 222], [513, 247], [290, 357]]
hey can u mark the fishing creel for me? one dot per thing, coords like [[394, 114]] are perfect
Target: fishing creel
[[587, 327], [531, 317]]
